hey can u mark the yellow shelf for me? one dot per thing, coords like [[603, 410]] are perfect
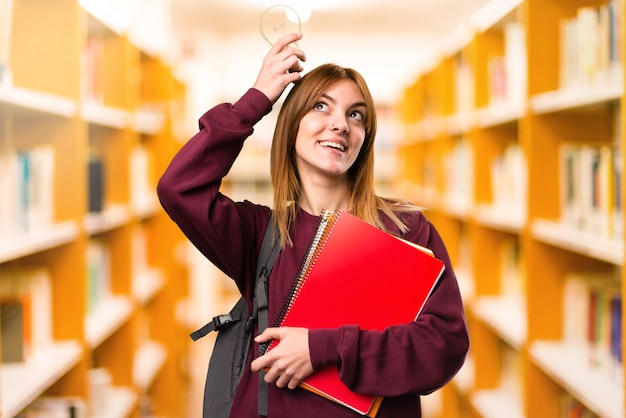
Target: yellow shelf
[[24, 382], [114, 281], [488, 132]]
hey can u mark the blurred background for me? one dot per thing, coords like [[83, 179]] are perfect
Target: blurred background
[[502, 118]]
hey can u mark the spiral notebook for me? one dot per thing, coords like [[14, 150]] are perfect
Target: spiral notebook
[[354, 273]]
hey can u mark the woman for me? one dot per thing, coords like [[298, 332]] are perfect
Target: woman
[[321, 158]]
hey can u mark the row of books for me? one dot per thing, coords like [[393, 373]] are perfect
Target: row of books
[[592, 317], [98, 273], [512, 274], [26, 190], [93, 64], [100, 395], [507, 73], [508, 176], [591, 196], [142, 187], [26, 307], [459, 179], [56, 407], [509, 182], [591, 45], [570, 407], [6, 14]]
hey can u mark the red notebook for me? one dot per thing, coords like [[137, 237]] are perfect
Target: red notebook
[[354, 273]]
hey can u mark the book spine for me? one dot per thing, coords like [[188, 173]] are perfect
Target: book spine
[[325, 225]]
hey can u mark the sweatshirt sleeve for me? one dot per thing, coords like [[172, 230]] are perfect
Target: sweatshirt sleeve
[[189, 188], [419, 357]]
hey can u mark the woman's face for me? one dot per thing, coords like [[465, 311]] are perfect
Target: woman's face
[[331, 134]]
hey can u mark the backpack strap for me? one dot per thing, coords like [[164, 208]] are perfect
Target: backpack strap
[[270, 248], [216, 324]]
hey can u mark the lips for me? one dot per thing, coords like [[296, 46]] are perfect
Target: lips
[[335, 145]]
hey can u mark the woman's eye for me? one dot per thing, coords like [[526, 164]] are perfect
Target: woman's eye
[[356, 116], [320, 107]]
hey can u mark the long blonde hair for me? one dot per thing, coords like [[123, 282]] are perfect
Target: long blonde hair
[[301, 99]]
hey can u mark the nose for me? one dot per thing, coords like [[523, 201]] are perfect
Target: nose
[[339, 124]]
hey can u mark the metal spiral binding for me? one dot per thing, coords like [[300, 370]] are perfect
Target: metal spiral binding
[[325, 226]]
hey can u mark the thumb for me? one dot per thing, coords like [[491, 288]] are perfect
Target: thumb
[[269, 334]]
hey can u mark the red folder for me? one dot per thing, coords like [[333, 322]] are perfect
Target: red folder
[[354, 273]]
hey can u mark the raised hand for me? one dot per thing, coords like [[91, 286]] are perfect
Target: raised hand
[[281, 66]]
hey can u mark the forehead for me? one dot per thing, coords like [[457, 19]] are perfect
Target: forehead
[[345, 91]]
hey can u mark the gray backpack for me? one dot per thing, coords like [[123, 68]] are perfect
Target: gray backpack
[[234, 339]]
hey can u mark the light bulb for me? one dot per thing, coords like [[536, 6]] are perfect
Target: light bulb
[[278, 21]]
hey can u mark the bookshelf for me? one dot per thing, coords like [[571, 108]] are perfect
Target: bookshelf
[[87, 124], [513, 143]]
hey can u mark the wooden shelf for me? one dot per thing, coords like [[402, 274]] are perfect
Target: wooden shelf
[[37, 241], [21, 383], [576, 98], [590, 245], [109, 315], [570, 367], [121, 402], [109, 219], [492, 403], [503, 86], [27, 101], [505, 315], [149, 360], [101, 97], [147, 285]]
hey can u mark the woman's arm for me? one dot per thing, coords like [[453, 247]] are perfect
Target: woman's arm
[[224, 231]]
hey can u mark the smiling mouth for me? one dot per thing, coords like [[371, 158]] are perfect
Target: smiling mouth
[[334, 145]]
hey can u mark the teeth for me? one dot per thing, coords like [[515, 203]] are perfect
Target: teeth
[[332, 145]]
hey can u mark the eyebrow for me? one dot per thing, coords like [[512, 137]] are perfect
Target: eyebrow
[[352, 106]]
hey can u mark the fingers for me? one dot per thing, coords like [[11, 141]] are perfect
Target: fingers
[[289, 363], [281, 66], [282, 42], [268, 334]]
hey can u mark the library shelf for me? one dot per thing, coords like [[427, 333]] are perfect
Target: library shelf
[[491, 403], [506, 315], [24, 100], [146, 285], [499, 218], [466, 283], [499, 114], [111, 218], [105, 116], [502, 207], [21, 383], [120, 402], [492, 14], [577, 97], [33, 242], [591, 245], [146, 208], [100, 98], [569, 365], [464, 379], [460, 123], [148, 121], [149, 359], [108, 316]]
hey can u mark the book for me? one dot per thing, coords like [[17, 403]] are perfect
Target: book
[[26, 298], [6, 19], [14, 325], [355, 273]]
